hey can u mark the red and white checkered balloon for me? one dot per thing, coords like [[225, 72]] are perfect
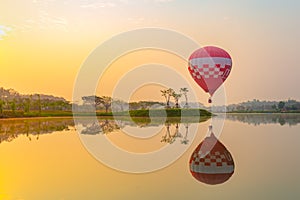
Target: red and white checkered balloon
[[210, 66], [211, 162]]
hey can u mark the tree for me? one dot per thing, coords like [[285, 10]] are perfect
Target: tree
[[176, 98], [97, 101], [118, 105], [281, 105], [13, 106], [27, 105], [106, 102], [93, 100], [167, 94], [39, 104], [184, 91], [1, 106], [1, 101], [134, 106]]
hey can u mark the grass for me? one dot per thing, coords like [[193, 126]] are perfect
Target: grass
[[132, 113], [175, 112], [21, 114], [146, 116]]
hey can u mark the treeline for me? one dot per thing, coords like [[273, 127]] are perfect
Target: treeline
[[13, 103], [107, 104], [265, 106]]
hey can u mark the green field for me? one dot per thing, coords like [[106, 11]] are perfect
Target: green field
[[132, 113]]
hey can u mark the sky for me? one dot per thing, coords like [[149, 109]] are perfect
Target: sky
[[43, 43]]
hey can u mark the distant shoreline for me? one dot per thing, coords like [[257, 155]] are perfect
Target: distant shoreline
[[261, 112]]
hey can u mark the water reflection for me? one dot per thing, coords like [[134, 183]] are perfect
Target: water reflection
[[144, 145], [290, 119], [211, 163], [171, 129], [170, 138], [32, 128], [103, 126]]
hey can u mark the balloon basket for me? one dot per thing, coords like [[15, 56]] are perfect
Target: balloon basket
[[209, 100]]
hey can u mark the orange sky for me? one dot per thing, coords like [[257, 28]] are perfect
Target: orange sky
[[43, 45]]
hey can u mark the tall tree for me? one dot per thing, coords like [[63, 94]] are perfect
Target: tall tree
[[167, 94], [13, 106], [176, 98], [118, 105], [184, 91], [281, 105], [1, 106], [26, 105], [39, 104], [92, 100], [96, 101], [106, 102], [1, 101]]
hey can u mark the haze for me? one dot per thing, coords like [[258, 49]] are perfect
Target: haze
[[44, 43]]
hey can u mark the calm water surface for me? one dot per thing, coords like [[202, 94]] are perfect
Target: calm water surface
[[45, 159]]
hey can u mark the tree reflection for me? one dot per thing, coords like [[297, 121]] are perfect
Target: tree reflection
[[290, 119], [104, 126], [32, 128], [170, 138], [185, 139], [35, 127]]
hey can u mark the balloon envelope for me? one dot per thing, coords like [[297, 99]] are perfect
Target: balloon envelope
[[211, 163], [210, 66]]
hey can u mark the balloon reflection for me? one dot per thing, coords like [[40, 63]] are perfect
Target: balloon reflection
[[211, 163]]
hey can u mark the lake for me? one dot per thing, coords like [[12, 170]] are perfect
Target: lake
[[47, 158]]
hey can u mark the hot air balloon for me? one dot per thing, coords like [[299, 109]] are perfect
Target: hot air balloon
[[211, 163], [210, 66]]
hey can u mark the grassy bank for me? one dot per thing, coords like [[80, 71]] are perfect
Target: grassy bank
[[131, 113], [158, 113], [20, 114], [167, 113]]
